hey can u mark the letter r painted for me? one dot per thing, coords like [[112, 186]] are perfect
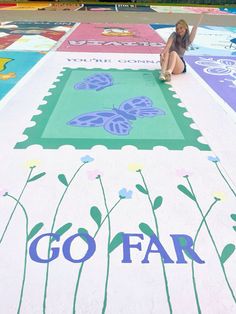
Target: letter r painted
[[185, 247]]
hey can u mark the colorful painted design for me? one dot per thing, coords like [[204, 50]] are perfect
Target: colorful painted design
[[166, 214], [171, 129], [33, 36], [205, 10], [116, 7], [13, 66], [151, 219], [128, 38], [3, 63], [6, 6], [28, 6], [185, 9], [169, 9], [219, 73], [97, 82], [229, 10], [97, 7], [209, 41], [117, 121], [117, 31]]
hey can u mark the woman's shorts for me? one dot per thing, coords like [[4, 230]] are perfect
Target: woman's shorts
[[185, 69]]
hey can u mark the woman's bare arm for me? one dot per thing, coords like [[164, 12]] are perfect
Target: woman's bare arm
[[167, 46], [194, 29]]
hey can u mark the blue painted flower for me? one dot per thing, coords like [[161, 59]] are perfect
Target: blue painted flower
[[123, 193], [86, 159], [213, 159]]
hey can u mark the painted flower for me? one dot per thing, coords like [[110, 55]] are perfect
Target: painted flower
[[213, 159], [32, 163], [86, 159], [135, 167], [219, 196], [123, 193], [3, 192], [94, 174], [183, 173]]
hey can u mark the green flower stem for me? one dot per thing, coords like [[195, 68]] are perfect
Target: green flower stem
[[26, 251], [107, 215], [192, 263], [82, 264], [224, 178], [77, 287], [17, 202], [51, 231], [108, 244], [213, 242], [157, 233]]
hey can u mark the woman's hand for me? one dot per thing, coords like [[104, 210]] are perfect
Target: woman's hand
[[200, 19]]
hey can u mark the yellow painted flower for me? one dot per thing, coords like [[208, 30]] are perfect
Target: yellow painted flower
[[220, 196], [135, 167], [32, 163]]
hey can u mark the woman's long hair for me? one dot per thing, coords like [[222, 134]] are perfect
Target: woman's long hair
[[184, 41]]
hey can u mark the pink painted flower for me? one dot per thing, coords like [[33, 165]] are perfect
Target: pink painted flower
[[183, 173], [94, 174]]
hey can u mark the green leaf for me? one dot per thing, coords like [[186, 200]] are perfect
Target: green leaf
[[141, 189], [37, 176], [83, 230], [63, 229], [116, 241], [96, 215], [233, 216], [234, 227], [227, 252], [35, 230], [63, 179], [158, 201], [184, 190], [146, 229]]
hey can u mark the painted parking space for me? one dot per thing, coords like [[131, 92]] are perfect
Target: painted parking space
[[116, 188]]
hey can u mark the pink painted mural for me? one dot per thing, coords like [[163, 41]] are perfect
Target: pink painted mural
[[206, 10], [138, 38]]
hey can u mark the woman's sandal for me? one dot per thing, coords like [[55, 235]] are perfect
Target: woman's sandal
[[168, 76], [162, 77]]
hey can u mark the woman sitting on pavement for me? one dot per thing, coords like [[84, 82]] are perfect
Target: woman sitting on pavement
[[171, 58]]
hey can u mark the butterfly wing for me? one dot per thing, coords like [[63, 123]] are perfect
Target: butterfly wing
[[92, 119], [141, 106], [96, 82], [118, 125]]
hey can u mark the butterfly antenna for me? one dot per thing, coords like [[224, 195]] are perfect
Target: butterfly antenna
[[108, 108]]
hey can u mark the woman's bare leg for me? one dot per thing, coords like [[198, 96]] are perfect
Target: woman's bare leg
[[175, 64], [164, 62]]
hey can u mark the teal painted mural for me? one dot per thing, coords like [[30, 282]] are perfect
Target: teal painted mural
[[113, 108], [13, 66]]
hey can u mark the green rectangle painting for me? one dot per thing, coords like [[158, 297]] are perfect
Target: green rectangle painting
[[113, 108]]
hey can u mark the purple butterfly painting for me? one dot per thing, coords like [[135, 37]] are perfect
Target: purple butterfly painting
[[96, 82], [118, 121]]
